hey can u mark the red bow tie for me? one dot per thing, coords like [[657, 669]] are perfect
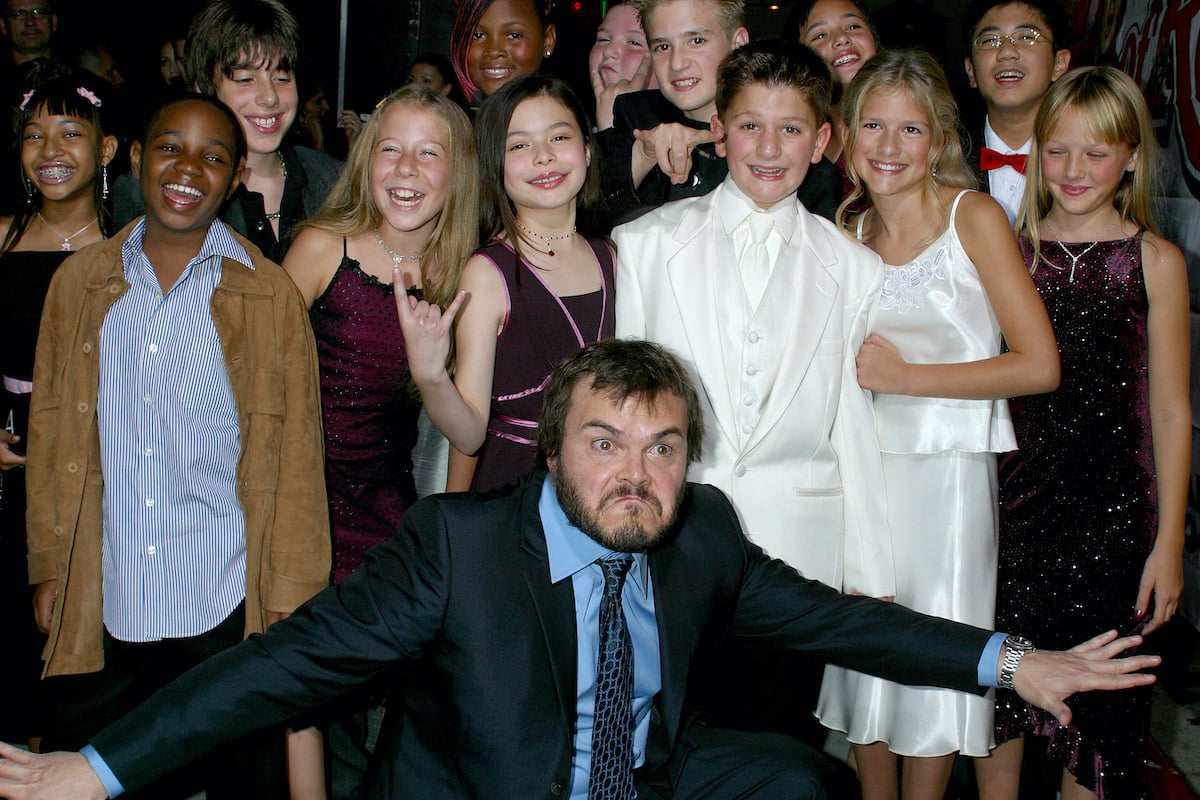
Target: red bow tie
[[989, 159]]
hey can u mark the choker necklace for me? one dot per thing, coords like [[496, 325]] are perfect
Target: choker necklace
[[548, 239], [66, 244], [1075, 258], [396, 257]]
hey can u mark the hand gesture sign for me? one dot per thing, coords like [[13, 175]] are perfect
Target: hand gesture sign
[[427, 330]]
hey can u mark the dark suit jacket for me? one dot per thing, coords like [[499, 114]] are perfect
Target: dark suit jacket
[[972, 145], [463, 593]]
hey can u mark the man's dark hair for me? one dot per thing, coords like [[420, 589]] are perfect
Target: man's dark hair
[[239, 138], [775, 63], [229, 35], [1058, 22], [621, 368]]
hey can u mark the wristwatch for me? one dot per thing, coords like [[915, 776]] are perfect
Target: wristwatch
[[1015, 648]]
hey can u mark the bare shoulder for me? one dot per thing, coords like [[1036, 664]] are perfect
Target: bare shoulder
[[312, 260], [1162, 262]]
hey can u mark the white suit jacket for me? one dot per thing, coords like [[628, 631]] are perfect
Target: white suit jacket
[[790, 436]]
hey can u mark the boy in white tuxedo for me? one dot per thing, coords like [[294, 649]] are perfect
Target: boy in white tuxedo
[[770, 330]]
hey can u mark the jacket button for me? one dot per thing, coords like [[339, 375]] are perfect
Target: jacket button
[[58, 531], [83, 407], [557, 788], [739, 471], [114, 288], [72, 468], [87, 347]]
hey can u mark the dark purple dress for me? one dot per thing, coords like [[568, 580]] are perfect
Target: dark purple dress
[[369, 412], [1078, 504], [540, 330]]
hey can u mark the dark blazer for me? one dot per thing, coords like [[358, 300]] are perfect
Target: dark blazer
[[463, 594], [972, 145]]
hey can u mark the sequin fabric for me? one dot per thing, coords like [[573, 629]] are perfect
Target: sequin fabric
[[369, 412], [1078, 505]]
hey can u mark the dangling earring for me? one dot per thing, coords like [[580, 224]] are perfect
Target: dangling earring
[[104, 181], [28, 190]]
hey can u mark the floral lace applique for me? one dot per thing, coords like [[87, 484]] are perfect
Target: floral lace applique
[[904, 288]]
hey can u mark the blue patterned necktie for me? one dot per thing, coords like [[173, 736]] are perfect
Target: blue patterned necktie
[[612, 730]]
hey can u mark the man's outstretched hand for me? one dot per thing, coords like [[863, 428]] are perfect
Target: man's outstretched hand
[[1047, 678], [53, 776]]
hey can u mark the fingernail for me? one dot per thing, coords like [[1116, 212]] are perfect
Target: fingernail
[[1138, 614]]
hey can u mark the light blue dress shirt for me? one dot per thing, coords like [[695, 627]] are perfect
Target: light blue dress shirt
[[573, 554]]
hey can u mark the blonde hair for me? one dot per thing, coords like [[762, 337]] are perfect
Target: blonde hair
[[1114, 112], [918, 74], [732, 13], [350, 209]]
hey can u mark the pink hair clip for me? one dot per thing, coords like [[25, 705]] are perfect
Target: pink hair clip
[[89, 96], [25, 100]]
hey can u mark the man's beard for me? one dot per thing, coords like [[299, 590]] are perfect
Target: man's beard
[[631, 536]]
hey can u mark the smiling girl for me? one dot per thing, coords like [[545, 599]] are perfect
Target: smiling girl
[[954, 283], [1092, 505], [64, 152], [494, 41], [534, 295]]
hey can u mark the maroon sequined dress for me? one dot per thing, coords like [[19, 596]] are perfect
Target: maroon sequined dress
[[540, 330], [369, 412], [1078, 505]]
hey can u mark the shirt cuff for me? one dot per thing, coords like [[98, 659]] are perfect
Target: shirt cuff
[[989, 660], [97, 762]]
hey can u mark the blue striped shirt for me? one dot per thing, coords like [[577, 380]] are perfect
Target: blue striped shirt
[[174, 531]]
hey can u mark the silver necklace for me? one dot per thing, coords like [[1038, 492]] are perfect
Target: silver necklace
[[283, 168], [66, 244], [548, 239], [396, 257], [1075, 258]]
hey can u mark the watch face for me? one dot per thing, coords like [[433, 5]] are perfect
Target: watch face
[[1019, 643]]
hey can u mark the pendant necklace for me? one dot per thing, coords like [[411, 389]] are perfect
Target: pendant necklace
[[548, 239], [1075, 258], [396, 257], [66, 243]]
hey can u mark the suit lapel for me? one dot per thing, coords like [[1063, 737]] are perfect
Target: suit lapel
[[703, 246], [553, 602], [676, 636]]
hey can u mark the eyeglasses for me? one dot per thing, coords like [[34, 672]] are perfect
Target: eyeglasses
[[1021, 37], [22, 14]]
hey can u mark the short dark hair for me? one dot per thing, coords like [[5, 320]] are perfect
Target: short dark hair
[[622, 368], [228, 35], [491, 137], [239, 138], [1058, 22], [775, 63]]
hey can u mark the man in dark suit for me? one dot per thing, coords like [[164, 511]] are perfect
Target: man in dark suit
[[502, 612]]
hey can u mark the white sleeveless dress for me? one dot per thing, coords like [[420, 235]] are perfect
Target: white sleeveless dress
[[939, 468]]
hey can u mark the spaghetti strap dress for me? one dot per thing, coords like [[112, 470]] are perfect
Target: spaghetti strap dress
[[369, 410], [540, 330], [939, 469], [1078, 504]]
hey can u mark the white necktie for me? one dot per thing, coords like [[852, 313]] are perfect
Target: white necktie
[[756, 263]]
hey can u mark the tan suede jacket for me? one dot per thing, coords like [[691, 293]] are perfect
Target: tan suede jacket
[[272, 364]]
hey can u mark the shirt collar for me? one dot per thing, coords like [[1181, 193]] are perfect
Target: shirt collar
[[993, 142], [733, 207], [219, 242], [570, 549]]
